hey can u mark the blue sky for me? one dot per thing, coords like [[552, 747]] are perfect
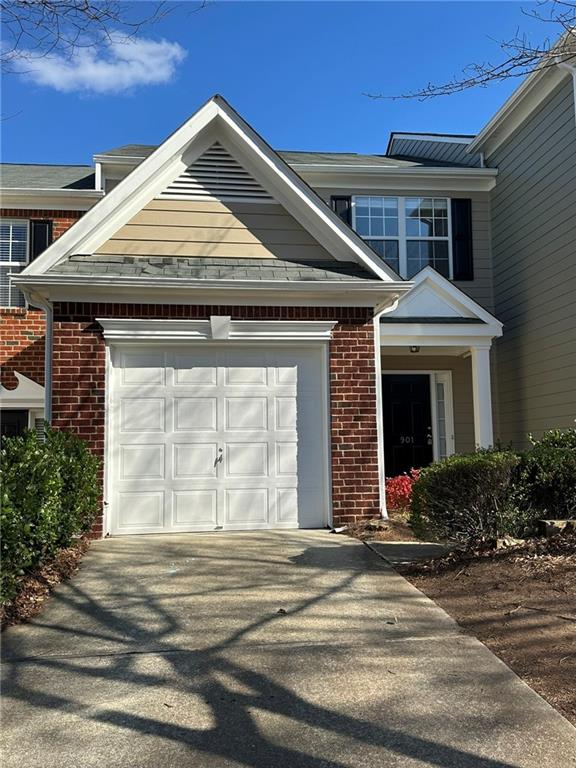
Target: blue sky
[[296, 71]]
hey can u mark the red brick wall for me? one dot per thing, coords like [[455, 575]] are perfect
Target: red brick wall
[[79, 380], [21, 331]]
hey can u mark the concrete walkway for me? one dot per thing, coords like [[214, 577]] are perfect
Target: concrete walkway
[[271, 650]]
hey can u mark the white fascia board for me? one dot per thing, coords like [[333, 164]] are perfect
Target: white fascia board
[[128, 330], [399, 180], [157, 290], [50, 199], [436, 334], [449, 139], [166, 162], [119, 159], [516, 109]]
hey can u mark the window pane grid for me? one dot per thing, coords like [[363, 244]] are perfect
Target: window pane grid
[[408, 233], [13, 258]]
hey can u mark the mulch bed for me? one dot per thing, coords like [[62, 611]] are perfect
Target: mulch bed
[[35, 587], [396, 528], [521, 603]]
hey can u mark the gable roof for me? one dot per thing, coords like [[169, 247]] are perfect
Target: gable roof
[[215, 119], [434, 299]]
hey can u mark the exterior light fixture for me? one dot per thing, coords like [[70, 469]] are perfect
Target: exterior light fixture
[[414, 349]]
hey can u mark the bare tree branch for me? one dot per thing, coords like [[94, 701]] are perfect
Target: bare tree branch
[[33, 29], [520, 56]]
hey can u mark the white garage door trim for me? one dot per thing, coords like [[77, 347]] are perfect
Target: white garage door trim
[[293, 337]]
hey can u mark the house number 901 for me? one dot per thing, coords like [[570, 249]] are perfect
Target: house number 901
[[406, 439]]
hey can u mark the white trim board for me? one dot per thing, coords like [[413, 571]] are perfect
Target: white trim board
[[216, 120], [218, 328]]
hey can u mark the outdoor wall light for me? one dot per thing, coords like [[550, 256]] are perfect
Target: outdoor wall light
[[414, 349]]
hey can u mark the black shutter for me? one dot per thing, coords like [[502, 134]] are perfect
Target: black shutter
[[40, 237], [343, 207], [463, 262]]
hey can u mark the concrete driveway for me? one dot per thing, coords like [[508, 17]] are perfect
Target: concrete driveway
[[272, 650]]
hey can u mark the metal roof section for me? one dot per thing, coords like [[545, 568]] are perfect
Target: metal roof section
[[434, 148]]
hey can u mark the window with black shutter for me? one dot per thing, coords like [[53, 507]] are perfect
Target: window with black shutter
[[462, 257]]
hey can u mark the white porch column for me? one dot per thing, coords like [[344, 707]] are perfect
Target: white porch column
[[481, 391]]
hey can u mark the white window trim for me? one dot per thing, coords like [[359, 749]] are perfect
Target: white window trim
[[402, 237], [23, 264], [445, 377]]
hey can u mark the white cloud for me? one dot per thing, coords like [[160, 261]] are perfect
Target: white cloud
[[118, 65]]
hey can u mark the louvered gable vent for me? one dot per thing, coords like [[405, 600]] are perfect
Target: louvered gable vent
[[216, 175]]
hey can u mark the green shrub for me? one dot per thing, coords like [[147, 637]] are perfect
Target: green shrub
[[80, 490], [470, 498], [547, 482], [50, 494]]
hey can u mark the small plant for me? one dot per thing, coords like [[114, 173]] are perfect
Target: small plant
[[399, 491]]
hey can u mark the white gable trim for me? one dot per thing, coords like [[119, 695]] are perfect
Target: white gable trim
[[27, 394], [184, 146], [432, 295]]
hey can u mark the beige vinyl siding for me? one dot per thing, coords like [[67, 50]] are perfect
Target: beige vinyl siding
[[196, 228], [461, 389], [534, 247], [479, 289]]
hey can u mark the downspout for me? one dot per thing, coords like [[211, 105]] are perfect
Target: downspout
[[46, 305]]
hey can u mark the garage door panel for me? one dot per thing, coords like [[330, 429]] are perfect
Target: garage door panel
[[196, 508], [220, 438], [140, 368], [246, 506], [143, 462], [246, 459], [195, 414], [142, 414], [194, 460], [140, 510]]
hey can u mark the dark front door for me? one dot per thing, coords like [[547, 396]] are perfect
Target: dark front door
[[407, 422], [13, 423]]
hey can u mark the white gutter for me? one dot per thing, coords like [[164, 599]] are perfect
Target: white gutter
[[419, 172], [372, 286]]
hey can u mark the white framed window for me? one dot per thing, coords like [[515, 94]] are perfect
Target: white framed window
[[409, 233], [14, 255]]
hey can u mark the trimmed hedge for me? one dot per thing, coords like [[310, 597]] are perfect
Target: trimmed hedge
[[468, 497], [548, 476], [50, 493], [490, 494]]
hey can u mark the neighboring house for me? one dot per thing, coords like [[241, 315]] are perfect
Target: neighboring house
[[253, 339]]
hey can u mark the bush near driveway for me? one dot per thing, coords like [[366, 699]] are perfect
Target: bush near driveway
[[50, 492], [491, 494], [399, 491], [468, 497], [548, 475]]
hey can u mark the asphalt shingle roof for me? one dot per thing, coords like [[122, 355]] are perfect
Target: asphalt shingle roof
[[33, 176], [296, 158], [211, 268]]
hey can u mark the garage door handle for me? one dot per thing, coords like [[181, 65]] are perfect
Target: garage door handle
[[219, 459]]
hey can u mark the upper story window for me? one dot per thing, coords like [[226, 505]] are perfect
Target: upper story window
[[409, 233], [14, 254]]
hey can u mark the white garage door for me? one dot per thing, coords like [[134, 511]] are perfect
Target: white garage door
[[216, 438]]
